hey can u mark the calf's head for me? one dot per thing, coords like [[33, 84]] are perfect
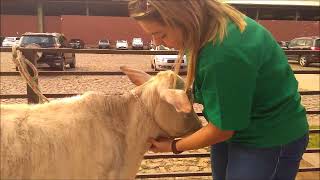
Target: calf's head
[[164, 98]]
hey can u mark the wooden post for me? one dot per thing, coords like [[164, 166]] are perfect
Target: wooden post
[[31, 55], [40, 16]]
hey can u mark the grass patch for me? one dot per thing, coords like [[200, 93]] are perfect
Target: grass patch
[[314, 138]]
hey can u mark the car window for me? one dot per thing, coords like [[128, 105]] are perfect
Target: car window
[[293, 43], [161, 47], [76, 40], [41, 40], [104, 41], [317, 43], [11, 39], [137, 39], [301, 42], [308, 42]]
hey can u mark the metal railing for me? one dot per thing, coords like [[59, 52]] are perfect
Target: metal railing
[[32, 98]]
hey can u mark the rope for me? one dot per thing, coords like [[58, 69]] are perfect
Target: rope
[[22, 64]]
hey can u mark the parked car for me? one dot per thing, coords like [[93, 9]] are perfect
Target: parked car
[[10, 41], [104, 44], [151, 45], [1, 39], [167, 62], [305, 43], [137, 43], [50, 40], [76, 43], [122, 44]]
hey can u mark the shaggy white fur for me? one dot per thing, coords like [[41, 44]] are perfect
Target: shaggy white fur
[[91, 136]]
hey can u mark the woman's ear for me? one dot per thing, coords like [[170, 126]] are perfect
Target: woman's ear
[[177, 98], [137, 77]]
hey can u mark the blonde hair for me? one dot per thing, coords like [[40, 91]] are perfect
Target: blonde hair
[[200, 21]]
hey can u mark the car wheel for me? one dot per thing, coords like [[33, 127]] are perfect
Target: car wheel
[[73, 64], [62, 66], [303, 61]]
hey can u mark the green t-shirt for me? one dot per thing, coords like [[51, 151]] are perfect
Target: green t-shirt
[[245, 84]]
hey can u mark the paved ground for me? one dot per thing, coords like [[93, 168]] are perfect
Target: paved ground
[[120, 84]]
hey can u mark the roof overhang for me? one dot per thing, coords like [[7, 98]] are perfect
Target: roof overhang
[[275, 2]]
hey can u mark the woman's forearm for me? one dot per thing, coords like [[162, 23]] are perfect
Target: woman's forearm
[[204, 137]]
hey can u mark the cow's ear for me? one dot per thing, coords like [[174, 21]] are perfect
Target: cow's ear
[[137, 77], [177, 98]]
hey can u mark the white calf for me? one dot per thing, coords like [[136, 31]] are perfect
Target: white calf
[[93, 136]]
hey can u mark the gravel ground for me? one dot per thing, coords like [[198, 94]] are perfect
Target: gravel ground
[[118, 85]]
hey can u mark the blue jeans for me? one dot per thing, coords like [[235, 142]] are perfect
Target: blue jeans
[[231, 161]]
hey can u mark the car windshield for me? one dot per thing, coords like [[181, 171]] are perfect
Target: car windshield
[[161, 47], [75, 40], [122, 41], [104, 41], [137, 39], [317, 43], [43, 41], [11, 39]]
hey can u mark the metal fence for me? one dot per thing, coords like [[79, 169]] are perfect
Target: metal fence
[[33, 98]]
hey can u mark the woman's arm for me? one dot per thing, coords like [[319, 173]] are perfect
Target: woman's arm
[[206, 136]]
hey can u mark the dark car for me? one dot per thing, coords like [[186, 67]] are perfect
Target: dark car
[[305, 43], [1, 39], [50, 40], [76, 43], [104, 44]]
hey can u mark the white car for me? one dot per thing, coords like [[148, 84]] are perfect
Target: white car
[[167, 62], [10, 41], [137, 43], [122, 44]]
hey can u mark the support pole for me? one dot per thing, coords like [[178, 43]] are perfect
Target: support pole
[[40, 16]]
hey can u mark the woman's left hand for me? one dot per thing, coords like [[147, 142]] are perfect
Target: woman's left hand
[[160, 145]]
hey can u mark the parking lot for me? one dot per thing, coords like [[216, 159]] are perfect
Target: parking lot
[[120, 84], [111, 85]]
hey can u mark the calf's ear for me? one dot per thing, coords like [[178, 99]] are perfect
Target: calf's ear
[[137, 77], [177, 98]]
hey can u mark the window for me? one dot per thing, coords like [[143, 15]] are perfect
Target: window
[[317, 43], [277, 14], [301, 42], [309, 42]]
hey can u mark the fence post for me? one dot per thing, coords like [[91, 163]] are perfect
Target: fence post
[[31, 55]]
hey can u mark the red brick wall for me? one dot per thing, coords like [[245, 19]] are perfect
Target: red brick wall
[[52, 24], [286, 30], [93, 28], [14, 25]]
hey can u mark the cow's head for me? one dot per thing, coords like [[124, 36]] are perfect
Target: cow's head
[[164, 98]]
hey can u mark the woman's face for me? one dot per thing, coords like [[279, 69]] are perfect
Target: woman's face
[[163, 35]]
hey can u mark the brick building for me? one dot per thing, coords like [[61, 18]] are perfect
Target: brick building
[[92, 20]]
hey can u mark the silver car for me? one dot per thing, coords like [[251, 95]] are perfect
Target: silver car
[[167, 62]]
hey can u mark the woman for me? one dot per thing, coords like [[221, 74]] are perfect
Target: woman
[[257, 126]]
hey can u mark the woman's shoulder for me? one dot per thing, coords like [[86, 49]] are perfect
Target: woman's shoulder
[[249, 44]]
